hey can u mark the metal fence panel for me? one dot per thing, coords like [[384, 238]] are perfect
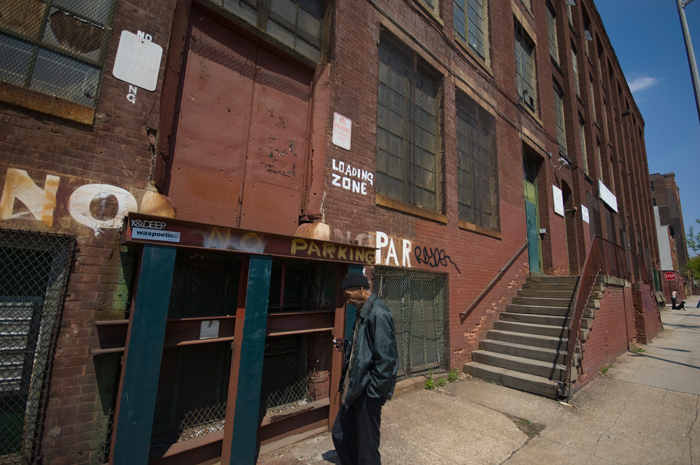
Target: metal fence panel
[[34, 269], [418, 300]]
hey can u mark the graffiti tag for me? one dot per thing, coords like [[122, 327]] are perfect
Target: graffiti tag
[[433, 257]]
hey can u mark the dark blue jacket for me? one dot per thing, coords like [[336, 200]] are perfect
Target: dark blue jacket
[[375, 363]]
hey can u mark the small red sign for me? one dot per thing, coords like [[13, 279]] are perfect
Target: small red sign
[[670, 275]]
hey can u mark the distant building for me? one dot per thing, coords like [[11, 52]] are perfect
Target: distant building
[[667, 201]]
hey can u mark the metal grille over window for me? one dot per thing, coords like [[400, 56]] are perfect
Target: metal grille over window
[[298, 24], [418, 300], [34, 269], [56, 47]]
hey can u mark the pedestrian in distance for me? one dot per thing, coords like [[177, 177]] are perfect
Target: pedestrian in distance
[[674, 299], [369, 374]]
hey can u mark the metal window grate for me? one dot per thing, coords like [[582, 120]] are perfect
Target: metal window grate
[[34, 269], [56, 47], [418, 300], [297, 24]]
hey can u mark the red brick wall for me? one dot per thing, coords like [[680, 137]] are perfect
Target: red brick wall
[[614, 327], [647, 314]]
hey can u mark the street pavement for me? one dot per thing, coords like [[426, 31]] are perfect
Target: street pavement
[[642, 410]]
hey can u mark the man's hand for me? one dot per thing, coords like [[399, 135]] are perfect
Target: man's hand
[[339, 344]]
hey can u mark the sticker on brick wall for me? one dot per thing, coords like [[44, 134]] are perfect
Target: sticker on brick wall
[[351, 178], [584, 214]]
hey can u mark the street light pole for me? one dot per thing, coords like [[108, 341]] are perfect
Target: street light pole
[[689, 50]]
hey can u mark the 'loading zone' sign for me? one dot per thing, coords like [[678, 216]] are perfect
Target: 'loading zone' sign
[[351, 178]]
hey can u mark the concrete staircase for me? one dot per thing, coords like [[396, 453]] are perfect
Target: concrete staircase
[[526, 350]]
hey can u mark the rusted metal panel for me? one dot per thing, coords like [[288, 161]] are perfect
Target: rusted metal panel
[[242, 130], [212, 128]]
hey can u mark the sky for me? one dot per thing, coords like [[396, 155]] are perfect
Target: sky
[[648, 41]]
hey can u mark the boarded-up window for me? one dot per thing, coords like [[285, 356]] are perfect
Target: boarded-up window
[[408, 158], [476, 164]]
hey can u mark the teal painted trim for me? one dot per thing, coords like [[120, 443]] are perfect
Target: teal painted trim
[[350, 310], [140, 377], [246, 419]]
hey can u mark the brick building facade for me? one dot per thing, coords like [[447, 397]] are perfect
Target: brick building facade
[[449, 139]]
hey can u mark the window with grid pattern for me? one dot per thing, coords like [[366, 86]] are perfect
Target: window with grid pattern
[[561, 123], [298, 24], [476, 164], [552, 29], [574, 70], [584, 152], [55, 47], [408, 156], [470, 25], [525, 66]]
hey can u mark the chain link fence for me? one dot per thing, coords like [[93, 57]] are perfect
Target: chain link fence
[[34, 270], [418, 300], [56, 47]]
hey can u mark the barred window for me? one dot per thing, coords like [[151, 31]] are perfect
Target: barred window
[[476, 164], [55, 47], [561, 123], [470, 25], [525, 66], [552, 29], [408, 156], [298, 24]]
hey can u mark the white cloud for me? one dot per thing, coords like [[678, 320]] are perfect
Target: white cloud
[[642, 82]]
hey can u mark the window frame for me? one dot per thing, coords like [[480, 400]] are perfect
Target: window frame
[[480, 121], [417, 71], [525, 69], [41, 39], [561, 118], [552, 33], [463, 40]]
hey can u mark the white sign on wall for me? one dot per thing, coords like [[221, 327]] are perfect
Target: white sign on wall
[[137, 61], [607, 196], [558, 201], [342, 131], [584, 214]]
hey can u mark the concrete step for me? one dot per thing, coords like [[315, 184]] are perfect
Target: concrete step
[[553, 279], [549, 286], [542, 302], [552, 320], [521, 350], [537, 309], [529, 328], [521, 364], [534, 340], [515, 380], [548, 293]]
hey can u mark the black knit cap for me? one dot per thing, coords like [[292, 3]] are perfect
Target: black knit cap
[[354, 279]]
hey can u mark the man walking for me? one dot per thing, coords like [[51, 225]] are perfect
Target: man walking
[[369, 374]]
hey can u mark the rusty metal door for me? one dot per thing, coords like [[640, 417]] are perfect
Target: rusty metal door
[[241, 135]]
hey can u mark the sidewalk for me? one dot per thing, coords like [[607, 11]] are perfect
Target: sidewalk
[[643, 410]]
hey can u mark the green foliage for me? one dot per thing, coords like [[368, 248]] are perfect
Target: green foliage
[[693, 265], [429, 384], [453, 375], [442, 381], [635, 348], [693, 239]]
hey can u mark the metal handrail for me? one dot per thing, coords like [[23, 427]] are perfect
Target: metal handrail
[[603, 257], [493, 282]]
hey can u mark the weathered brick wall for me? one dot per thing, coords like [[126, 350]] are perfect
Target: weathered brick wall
[[614, 327], [114, 153], [647, 315]]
